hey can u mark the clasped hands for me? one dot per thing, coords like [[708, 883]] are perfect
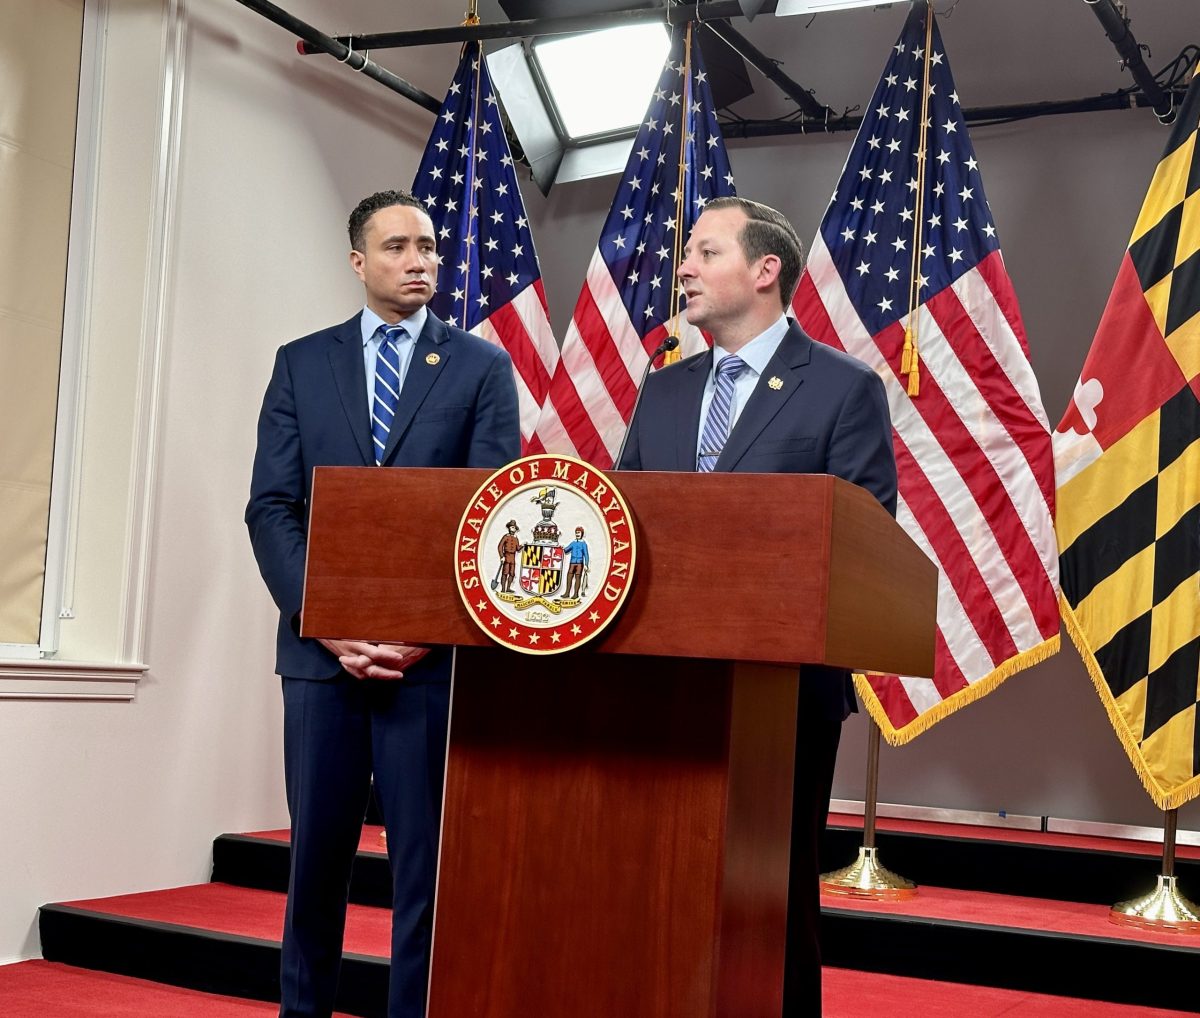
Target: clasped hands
[[375, 660]]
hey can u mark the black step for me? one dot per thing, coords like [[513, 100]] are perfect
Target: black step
[[195, 958], [1063, 964], [1028, 869], [246, 860]]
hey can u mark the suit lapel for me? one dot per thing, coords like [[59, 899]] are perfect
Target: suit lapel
[[428, 361], [346, 360], [690, 398], [788, 365]]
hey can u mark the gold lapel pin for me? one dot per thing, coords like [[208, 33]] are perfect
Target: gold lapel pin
[[432, 358], [775, 382]]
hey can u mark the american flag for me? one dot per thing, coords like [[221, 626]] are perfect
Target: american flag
[[972, 441], [629, 301], [489, 282]]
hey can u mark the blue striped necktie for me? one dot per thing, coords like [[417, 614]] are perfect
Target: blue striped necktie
[[387, 386], [716, 424]]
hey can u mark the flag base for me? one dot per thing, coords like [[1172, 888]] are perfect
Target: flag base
[[869, 879], [1164, 909]]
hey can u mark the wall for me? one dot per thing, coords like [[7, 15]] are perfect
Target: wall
[[109, 798]]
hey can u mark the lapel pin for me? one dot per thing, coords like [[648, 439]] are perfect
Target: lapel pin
[[775, 382], [432, 358]]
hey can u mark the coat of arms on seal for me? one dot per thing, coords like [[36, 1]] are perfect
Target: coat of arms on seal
[[544, 554]]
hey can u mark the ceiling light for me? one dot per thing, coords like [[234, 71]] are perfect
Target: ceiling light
[[786, 7], [601, 82]]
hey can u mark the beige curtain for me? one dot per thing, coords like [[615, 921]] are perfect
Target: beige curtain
[[39, 84]]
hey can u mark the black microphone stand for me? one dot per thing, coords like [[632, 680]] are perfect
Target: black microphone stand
[[667, 345]]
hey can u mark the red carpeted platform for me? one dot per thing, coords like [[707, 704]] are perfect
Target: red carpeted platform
[[247, 912], [983, 909], [961, 948], [43, 989], [239, 911], [39, 989], [850, 994], [1035, 839], [371, 842]]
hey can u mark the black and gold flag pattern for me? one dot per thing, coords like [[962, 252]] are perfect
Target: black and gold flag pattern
[[1127, 459], [537, 574]]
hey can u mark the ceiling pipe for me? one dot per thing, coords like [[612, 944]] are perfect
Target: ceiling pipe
[[543, 26], [1116, 27], [768, 68], [314, 41], [979, 115]]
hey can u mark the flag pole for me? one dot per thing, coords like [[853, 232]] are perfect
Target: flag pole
[[671, 356], [1164, 909], [910, 359], [867, 877]]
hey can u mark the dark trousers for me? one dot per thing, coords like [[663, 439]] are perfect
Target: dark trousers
[[822, 704], [337, 733]]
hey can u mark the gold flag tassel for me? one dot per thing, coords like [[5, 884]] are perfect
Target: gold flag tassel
[[910, 359], [914, 372], [671, 356]]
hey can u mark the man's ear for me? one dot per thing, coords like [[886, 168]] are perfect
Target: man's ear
[[356, 263], [768, 273]]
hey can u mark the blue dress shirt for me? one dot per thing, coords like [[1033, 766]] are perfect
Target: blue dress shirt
[[370, 322]]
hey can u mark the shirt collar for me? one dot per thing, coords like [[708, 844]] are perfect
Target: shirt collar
[[758, 352], [413, 324]]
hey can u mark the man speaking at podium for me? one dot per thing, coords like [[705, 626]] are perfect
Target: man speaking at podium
[[394, 387], [768, 399]]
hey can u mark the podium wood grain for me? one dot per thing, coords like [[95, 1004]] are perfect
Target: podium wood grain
[[615, 839]]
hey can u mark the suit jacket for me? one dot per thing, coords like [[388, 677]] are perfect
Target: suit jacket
[[829, 416], [457, 408]]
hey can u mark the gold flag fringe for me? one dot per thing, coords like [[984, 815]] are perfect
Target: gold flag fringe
[[900, 736], [1164, 798]]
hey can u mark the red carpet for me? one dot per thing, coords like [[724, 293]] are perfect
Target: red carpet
[[855, 994], [43, 989], [1081, 842], [369, 842], [242, 911], [252, 913], [39, 989], [1008, 910]]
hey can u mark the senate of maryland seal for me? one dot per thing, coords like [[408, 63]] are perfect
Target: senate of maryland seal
[[544, 554]]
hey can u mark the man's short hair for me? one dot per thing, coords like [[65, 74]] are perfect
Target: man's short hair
[[366, 208], [767, 231]]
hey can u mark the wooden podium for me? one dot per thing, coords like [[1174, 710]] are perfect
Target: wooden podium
[[616, 819]]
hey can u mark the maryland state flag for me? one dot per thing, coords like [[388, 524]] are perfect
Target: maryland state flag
[[1127, 460]]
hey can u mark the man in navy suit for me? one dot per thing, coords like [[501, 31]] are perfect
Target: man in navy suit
[[393, 387], [767, 399]]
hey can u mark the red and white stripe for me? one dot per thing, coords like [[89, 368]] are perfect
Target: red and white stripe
[[593, 392], [976, 478], [522, 328]]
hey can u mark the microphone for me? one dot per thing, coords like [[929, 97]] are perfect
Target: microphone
[[667, 345]]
